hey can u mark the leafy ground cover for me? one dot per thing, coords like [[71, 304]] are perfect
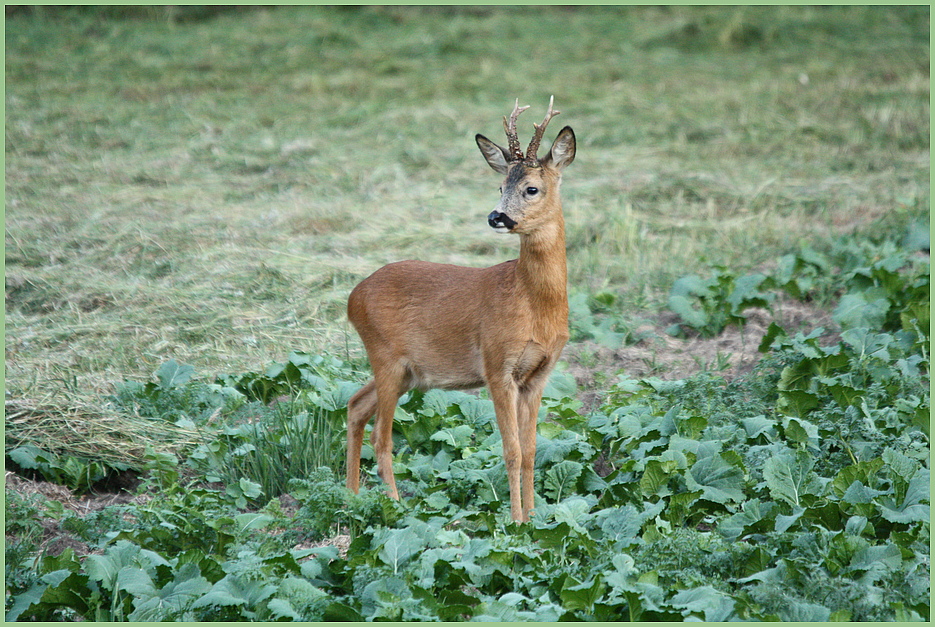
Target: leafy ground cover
[[797, 492], [740, 427]]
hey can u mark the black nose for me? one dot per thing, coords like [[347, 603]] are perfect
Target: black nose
[[498, 220]]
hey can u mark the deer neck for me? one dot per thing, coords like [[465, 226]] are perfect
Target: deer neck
[[541, 268]]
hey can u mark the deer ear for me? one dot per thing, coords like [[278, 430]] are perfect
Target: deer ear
[[562, 152], [498, 158]]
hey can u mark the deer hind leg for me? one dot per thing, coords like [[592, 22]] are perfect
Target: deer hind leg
[[390, 385], [360, 408]]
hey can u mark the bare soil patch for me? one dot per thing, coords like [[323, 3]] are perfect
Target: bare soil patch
[[54, 538], [731, 354]]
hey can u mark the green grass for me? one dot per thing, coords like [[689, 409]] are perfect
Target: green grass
[[209, 187], [197, 189]]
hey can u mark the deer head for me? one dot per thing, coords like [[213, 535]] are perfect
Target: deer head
[[529, 194]]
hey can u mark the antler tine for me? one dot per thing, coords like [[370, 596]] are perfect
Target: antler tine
[[516, 153], [531, 156]]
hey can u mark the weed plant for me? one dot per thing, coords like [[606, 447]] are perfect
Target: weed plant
[[270, 446], [24, 534]]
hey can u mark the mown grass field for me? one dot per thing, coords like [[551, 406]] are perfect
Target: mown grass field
[[211, 190], [192, 193]]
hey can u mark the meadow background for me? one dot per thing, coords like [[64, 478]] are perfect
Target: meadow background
[[192, 192]]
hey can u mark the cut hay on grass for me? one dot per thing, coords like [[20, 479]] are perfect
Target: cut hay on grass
[[208, 186], [92, 432]]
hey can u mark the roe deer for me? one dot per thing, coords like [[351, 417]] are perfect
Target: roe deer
[[429, 325]]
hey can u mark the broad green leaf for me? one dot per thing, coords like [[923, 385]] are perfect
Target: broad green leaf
[[560, 385], [25, 601], [784, 522], [235, 590], [867, 343], [431, 561], [136, 581], [573, 511], [797, 402], [855, 525], [397, 546], [496, 611], [800, 430], [843, 394], [719, 480], [250, 489], [691, 427], [913, 507], [864, 471], [705, 601], [252, 520], [753, 512], [607, 335], [876, 561], [581, 595], [656, 476], [282, 608], [387, 591], [628, 426], [645, 596], [757, 426], [746, 293], [683, 306], [621, 524], [106, 568], [55, 590], [857, 493], [173, 374], [591, 481], [788, 476], [437, 500], [557, 449], [903, 466], [773, 332], [341, 612], [477, 411], [624, 574], [436, 402], [456, 437], [561, 479], [25, 456], [295, 592], [174, 598], [692, 285], [804, 612], [681, 504], [861, 309]]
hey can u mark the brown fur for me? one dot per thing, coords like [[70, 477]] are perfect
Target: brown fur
[[428, 325]]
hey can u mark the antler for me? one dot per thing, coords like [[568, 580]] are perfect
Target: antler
[[516, 154], [531, 157]]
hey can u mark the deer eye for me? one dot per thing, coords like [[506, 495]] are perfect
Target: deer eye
[[532, 191]]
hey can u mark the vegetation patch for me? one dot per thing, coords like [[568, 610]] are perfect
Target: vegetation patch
[[799, 491], [739, 428]]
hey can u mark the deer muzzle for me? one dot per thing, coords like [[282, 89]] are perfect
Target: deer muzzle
[[500, 222]]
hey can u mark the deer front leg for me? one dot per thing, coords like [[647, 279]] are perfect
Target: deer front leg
[[504, 394], [528, 410]]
